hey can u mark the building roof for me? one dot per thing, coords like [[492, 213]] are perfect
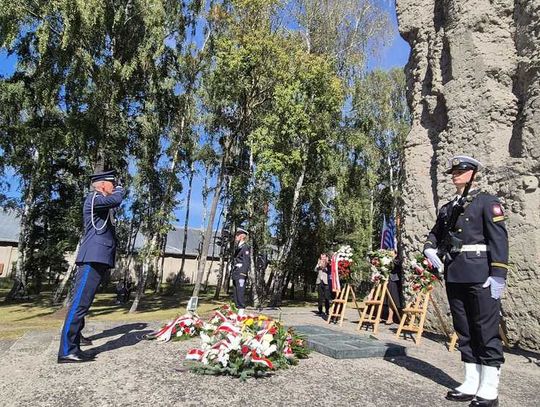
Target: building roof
[[175, 240], [10, 226]]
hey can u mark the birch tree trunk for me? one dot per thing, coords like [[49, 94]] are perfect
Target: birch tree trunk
[[178, 277], [19, 288], [208, 236], [210, 224], [220, 276], [371, 212], [284, 251], [224, 246], [143, 275], [69, 272], [252, 274], [159, 264], [213, 253]]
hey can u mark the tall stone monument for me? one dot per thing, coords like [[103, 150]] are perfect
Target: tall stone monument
[[474, 88]]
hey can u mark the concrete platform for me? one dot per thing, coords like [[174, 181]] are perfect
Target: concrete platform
[[340, 345]]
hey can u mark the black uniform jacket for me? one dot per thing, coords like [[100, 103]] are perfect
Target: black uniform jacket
[[241, 262], [482, 222]]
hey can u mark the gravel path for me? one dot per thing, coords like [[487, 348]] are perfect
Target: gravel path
[[131, 372]]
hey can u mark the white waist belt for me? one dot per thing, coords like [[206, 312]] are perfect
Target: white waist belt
[[474, 248]]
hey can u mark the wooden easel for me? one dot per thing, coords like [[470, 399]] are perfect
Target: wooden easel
[[371, 313], [414, 316], [340, 304]]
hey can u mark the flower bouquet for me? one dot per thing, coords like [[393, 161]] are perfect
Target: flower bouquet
[[183, 327], [381, 263], [419, 277], [246, 346], [344, 262]]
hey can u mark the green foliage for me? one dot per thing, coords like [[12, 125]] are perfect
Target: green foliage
[[274, 100]]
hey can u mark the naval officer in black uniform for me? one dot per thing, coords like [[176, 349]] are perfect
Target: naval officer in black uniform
[[475, 276], [240, 269], [96, 254]]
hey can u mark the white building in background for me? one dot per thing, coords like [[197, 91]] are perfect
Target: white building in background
[[9, 239]]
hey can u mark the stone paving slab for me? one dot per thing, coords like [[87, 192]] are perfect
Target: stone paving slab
[[339, 345], [133, 372], [33, 343], [5, 344]]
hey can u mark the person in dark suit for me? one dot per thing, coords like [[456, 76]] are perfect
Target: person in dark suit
[[240, 269], [475, 275], [96, 255]]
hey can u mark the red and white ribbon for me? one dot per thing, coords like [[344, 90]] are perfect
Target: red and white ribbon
[[194, 354], [229, 328], [262, 360], [336, 286]]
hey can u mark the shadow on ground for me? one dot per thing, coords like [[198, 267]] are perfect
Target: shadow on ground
[[424, 369], [131, 335], [532, 357]]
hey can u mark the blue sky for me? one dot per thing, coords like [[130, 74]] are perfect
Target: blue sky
[[394, 55]]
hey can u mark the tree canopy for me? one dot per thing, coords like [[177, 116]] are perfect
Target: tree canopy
[[299, 142]]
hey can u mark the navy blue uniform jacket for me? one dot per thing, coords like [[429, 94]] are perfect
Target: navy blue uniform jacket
[[241, 262], [482, 222], [99, 246]]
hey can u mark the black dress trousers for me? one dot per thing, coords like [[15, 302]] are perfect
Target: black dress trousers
[[476, 319]]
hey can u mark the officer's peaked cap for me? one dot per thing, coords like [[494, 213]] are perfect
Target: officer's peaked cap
[[241, 231], [104, 176], [463, 162]]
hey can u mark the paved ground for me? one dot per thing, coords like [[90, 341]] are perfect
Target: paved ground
[[141, 373]]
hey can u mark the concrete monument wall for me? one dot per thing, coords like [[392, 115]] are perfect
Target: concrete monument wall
[[474, 88]]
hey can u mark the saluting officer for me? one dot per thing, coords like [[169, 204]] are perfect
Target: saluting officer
[[475, 276], [240, 270], [96, 254]]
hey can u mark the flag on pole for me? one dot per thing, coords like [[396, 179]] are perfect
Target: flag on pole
[[388, 234]]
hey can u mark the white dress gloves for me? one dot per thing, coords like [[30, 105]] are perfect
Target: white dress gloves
[[431, 254], [496, 285]]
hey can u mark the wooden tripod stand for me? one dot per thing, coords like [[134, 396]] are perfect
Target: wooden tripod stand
[[340, 304], [371, 314]]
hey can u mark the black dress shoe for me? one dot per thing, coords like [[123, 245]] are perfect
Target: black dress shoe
[[74, 358], [455, 395], [480, 402], [88, 355], [85, 341]]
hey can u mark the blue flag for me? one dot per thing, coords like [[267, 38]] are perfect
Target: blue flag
[[388, 234]]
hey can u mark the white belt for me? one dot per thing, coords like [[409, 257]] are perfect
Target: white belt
[[474, 248], [238, 265]]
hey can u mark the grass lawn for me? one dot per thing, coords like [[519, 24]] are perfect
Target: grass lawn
[[38, 314]]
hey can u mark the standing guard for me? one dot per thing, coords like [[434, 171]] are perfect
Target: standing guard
[[474, 245], [240, 269], [96, 254]]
